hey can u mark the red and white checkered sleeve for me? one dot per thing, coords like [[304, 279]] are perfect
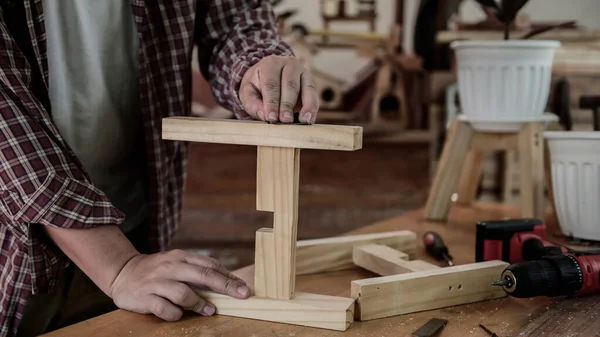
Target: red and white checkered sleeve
[[41, 181], [235, 35]]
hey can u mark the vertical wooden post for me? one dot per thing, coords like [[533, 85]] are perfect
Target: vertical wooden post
[[470, 178], [278, 171], [531, 170], [449, 169]]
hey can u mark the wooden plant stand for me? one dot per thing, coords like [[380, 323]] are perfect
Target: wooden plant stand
[[460, 165], [278, 159]]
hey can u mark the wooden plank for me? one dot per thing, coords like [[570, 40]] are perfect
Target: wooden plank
[[387, 296], [383, 260], [258, 133], [277, 183], [579, 316], [320, 311], [448, 170], [470, 178], [531, 171], [492, 141], [265, 263], [333, 254], [505, 316]]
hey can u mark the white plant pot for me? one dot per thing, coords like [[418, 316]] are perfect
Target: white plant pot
[[575, 158], [504, 81]]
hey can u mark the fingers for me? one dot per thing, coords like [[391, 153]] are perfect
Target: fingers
[[310, 99], [184, 297], [208, 277], [270, 84], [252, 101], [216, 281], [210, 262], [276, 88], [163, 309], [290, 88]]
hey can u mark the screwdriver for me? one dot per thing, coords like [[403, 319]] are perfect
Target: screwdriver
[[489, 332], [436, 247]]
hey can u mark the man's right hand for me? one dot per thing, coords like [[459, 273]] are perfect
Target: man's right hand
[[160, 284]]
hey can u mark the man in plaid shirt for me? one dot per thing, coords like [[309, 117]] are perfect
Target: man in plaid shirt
[[89, 193]]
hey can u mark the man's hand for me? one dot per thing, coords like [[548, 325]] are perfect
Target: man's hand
[[160, 284], [277, 87]]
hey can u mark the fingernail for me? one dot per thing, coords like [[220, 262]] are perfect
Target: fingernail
[[288, 116], [308, 117], [273, 116], [243, 291], [208, 310], [260, 114]]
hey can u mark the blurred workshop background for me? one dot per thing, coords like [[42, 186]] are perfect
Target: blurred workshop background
[[385, 65]]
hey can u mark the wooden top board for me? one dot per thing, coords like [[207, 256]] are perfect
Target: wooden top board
[[259, 133], [504, 316]]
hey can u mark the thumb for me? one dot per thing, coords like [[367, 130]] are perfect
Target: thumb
[[252, 101]]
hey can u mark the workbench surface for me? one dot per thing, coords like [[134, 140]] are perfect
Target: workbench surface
[[504, 317]]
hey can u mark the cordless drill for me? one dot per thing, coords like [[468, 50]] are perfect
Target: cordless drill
[[514, 240], [570, 274], [539, 267]]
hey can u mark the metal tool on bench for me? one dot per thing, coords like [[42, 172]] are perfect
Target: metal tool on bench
[[539, 267], [436, 247], [431, 328], [488, 331]]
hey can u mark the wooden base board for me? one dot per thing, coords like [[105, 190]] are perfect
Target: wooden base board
[[305, 309], [386, 296], [333, 254]]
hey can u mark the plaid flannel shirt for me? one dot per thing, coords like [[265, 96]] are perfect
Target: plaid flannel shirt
[[42, 183]]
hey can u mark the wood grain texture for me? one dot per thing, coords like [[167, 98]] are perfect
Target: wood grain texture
[[573, 317], [319, 311], [448, 171], [278, 171], [387, 296], [531, 170], [334, 254], [383, 260], [455, 167], [265, 263], [504, 316], [258, 133]]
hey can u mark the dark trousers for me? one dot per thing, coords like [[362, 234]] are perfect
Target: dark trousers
[[75, 299]]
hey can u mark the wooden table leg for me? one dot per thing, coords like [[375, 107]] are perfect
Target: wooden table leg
[[531, 175], [448, 170], [470, 178]]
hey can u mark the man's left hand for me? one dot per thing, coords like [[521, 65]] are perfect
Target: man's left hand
[[277, 87]]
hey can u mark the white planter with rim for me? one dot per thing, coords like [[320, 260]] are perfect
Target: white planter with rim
[[575, 160], [503, 84]]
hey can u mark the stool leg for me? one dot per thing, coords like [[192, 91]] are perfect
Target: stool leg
[[448, 170], [470, 178], [548, 174], [531, 175], [509, 174]]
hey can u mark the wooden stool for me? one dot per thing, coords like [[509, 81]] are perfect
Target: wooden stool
[[459, 168]]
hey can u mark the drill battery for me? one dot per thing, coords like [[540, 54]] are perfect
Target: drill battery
[[513, 241]]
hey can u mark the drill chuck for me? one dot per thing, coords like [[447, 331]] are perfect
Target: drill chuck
[[559, 275]]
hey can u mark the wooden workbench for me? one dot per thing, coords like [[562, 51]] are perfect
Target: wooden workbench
[[505, 317]]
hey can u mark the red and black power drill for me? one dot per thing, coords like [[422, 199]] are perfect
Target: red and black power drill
[[538, 267]]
